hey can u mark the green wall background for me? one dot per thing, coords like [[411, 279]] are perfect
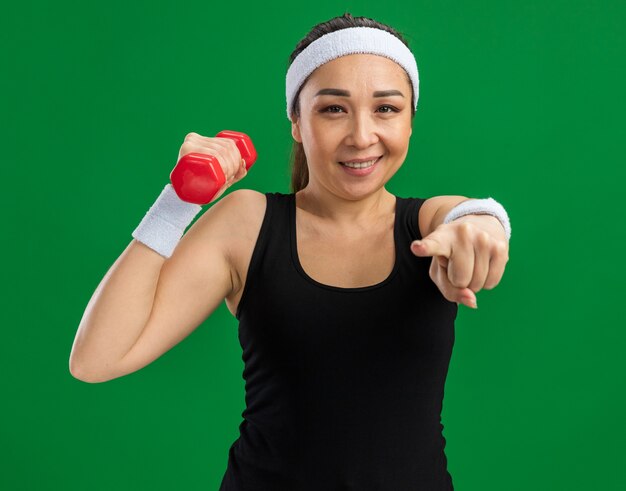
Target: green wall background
[[521, 101]]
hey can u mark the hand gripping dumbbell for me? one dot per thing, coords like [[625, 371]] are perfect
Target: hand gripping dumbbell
[[197, 177]]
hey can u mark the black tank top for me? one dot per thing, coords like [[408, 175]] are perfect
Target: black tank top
[[344, 386]]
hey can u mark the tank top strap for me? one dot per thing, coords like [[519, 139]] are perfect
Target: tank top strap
[[407, 230], [272, 234], [410, 210]]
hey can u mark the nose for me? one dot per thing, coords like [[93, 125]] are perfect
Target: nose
[[363, 131]]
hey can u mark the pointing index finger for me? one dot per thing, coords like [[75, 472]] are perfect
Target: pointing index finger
[[432, 245]]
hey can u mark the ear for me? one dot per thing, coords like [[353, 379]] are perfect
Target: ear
[[295, 131]]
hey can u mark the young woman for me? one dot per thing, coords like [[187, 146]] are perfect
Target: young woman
[[346, 294]]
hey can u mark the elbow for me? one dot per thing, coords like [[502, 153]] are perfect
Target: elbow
[[79, 373], [90, 379]]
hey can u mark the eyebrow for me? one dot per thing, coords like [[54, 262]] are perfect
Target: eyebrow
[[345, 93]]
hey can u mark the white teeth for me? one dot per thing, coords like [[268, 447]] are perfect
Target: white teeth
[[359, 165]]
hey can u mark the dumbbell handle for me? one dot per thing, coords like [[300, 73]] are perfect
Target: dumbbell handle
[[197, 177]]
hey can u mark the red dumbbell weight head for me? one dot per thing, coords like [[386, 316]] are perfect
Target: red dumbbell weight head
[[197, 177]]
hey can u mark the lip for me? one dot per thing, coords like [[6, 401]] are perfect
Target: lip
[[357, 161], [362, 172]]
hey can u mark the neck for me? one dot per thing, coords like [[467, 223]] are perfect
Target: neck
[[345, 210]]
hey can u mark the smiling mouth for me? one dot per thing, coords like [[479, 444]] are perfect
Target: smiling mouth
[[360, 165]]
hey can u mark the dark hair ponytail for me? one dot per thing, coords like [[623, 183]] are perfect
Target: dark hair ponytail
[[299, 167]]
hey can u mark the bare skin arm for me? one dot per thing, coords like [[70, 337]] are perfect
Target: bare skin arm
[[146, 304]]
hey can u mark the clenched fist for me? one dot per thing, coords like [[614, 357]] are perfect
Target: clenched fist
[[226, 152]]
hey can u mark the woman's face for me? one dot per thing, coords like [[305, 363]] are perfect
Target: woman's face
[[336, 128]]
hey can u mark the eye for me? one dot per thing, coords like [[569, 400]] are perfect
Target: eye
[[326, 109], [393, 109]]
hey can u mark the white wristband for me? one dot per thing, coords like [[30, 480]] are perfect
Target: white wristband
[[487, 206], [165, 222]]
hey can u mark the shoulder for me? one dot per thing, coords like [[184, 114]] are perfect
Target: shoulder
[[243, 203], [233, 207], [249, 206], [230, 219]]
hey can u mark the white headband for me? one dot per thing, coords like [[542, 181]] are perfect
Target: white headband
[[349, 41]]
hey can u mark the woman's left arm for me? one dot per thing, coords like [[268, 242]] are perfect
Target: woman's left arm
[[469, 253]]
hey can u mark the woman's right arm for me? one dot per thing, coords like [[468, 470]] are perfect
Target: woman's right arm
[[146, 304]]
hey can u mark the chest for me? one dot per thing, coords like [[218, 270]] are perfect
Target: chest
[[346, 260]]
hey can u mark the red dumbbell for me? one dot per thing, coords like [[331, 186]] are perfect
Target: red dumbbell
[[197, 177]]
